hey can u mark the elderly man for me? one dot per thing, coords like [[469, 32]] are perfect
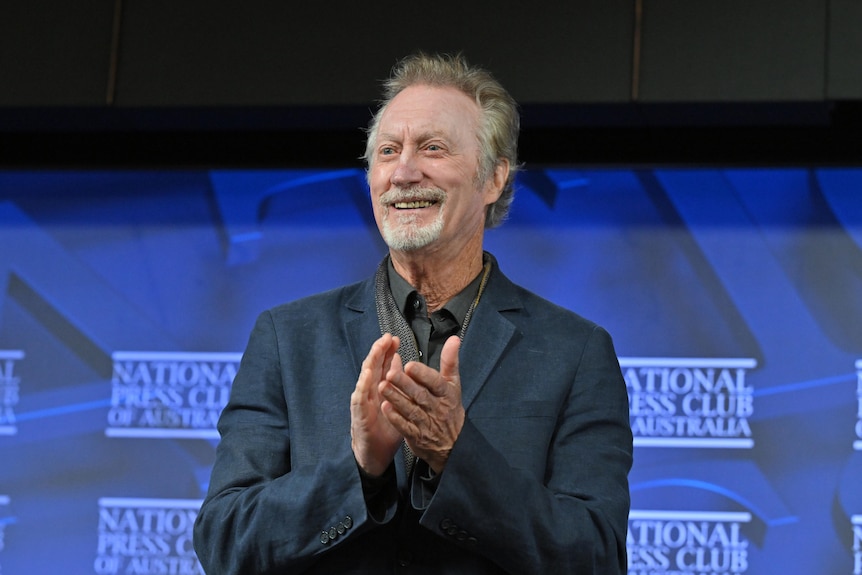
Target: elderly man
[[435, 418]]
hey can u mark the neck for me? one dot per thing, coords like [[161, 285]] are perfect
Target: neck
[[437, 276]]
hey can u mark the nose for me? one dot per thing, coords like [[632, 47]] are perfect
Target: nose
[[407, 172]]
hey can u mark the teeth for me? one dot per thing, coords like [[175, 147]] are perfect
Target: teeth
[[412, 205]]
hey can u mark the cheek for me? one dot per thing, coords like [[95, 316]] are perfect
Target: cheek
[[378, 180], [377, 209]]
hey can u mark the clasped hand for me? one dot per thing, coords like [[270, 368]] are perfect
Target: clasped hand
[[416, 403]]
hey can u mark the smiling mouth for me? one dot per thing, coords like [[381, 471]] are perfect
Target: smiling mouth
[[413, 205]]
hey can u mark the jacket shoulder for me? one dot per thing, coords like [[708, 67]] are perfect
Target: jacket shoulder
[[356, 296], [536, 310]]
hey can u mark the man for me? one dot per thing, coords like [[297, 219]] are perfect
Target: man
[[436, 418]]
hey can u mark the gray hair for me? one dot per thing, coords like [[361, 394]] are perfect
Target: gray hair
[[499, 122]]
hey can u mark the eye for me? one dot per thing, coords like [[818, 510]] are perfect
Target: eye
[[386, 151]]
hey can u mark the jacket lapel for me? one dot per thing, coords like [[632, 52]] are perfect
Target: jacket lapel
[[361, 326], [488, 335]]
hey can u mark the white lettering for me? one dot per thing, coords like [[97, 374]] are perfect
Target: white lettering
[[676, 533], [7, 375], [652, 403], [684, 380], [174, 394], [686, 546], [189, 417], [7, 416], [147, 540], [106, 565], [713, 560], [9, 394], [174, 373], [146, 520], [209, 396], [707, 405], [679, 426]]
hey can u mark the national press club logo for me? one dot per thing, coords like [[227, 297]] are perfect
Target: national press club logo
[[695, 542], [9, 390], [169, 394], [146, 537], [690, 402]]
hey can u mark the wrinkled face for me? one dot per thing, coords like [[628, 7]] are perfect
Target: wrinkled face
[[423, 170]]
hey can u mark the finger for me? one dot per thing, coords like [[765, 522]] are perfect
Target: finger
[[392, 351], [380, 357], [401, 414], [406, 383], [449, 365], [436, 383], [376, 353], [396, 394], [374, 367], [395, 366]]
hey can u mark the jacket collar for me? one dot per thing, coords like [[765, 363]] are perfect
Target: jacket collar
[[487, 337]]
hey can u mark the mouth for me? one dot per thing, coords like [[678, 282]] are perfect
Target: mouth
[[407, 201], [413, 204]]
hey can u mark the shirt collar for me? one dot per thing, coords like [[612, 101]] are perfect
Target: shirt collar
[[458, 306]]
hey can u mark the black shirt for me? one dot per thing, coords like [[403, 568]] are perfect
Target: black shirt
[[431, 331]]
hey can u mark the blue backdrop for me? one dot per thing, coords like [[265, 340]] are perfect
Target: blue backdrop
[[734, 297]]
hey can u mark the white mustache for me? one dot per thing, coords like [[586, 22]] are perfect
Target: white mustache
[[412, 194]]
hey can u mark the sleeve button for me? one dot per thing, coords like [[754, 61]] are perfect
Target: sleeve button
[[324, 537]]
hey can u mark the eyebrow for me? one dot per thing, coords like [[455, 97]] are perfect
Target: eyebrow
[[422, 137]]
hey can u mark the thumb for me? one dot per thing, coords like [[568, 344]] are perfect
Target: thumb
[[449, 360]]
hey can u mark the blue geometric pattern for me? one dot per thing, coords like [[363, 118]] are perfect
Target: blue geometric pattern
[[761, 264]]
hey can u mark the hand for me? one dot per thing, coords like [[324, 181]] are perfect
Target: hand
[[373, 438], [424, 405]]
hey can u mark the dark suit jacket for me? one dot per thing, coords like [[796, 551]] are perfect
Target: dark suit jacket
[[536, 483]]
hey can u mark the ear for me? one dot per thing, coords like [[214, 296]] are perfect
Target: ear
[[494, 185]]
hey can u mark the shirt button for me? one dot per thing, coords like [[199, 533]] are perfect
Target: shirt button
[[417, 304], [405, 558]]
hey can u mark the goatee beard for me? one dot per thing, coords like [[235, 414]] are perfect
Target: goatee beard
[[405, 232]]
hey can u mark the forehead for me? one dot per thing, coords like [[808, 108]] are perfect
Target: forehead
[[422, 110]]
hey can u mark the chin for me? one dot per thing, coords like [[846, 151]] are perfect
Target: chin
[[410, 238]]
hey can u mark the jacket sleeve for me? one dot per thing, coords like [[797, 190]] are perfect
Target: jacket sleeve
[[260, 515], [572, 520]]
